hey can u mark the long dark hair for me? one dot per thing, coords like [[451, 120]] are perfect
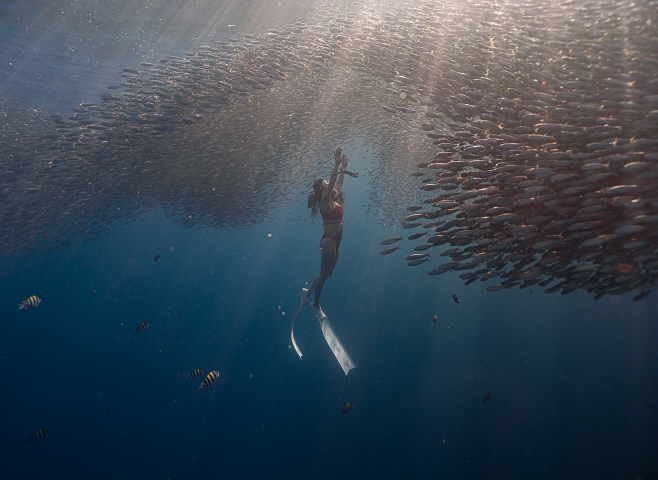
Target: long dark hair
[[314, 198]]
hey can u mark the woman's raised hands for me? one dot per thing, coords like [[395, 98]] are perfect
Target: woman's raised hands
[[338, 155]]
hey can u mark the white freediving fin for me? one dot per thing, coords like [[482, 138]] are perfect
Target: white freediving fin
[[337, 347], [292, 327], [292, 332], [330, 336], [304, 297]]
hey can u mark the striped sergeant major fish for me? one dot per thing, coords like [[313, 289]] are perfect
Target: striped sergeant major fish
[[141, 327], [33, 301], [346, 408], [210, 379], [195, 374], [38, 435]]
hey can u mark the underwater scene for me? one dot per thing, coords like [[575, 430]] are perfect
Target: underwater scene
[[300, 239]]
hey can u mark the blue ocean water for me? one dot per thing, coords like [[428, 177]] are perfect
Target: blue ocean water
[[572, 380]]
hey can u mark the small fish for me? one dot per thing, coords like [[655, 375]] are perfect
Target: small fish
[[435, 318], [411, 225], [195, 374], [38, 435], [388, 250], [413, 217], [33, 301], [455, 299], [416, 235], [416, 256], [141, 327], [486, 398], [438, 271], [414, 208], [210, 379], [419, 261], [346, 408], [390, 241], [640, 296], [157, 257]]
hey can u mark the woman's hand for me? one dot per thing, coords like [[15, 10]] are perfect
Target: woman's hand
[[338, 155]]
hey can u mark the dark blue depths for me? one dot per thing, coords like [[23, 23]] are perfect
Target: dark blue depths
[[573, 387], [572, 382]]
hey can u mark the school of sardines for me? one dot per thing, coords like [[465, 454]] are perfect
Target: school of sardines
[[549, 176], [532, 125]]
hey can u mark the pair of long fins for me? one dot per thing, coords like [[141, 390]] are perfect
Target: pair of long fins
[[330, 336]]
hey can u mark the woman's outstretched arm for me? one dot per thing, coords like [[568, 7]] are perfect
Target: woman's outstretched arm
[[326, 196], [341, 177]]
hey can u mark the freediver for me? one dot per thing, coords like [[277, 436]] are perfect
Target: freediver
[[327, 198]]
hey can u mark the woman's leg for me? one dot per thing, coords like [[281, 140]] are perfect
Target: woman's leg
[[327, 263], [335, 261]]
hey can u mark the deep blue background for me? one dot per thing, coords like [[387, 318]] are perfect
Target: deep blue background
[[574, 393], [572, 380]]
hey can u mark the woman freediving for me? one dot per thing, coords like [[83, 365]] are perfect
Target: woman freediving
[[328, 199]]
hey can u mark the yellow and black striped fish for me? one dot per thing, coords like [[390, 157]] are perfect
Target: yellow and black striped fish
[[38, 435], [210, 379], [141, 327], [33, 301], [195, 374], [346, 408]]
